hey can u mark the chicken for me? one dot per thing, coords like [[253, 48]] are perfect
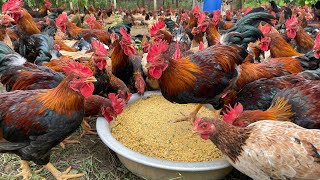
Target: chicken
[[276, 43], [93, 23], [266, 149], [126, 65], [279, 110], [96, 105], [205, 76], [21, 16], [260, 93], [294, 31], [76, 32], [32, 132], [5, 20], [43, 11], [213, 35]]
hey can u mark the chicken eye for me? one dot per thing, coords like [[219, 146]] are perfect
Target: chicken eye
[[204, 126]]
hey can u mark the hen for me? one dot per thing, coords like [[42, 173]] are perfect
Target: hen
[[51, 116], [266, 149]]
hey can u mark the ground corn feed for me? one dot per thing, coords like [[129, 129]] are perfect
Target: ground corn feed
[[147, 127]]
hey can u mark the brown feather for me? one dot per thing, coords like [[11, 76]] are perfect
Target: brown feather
[[279, 47]]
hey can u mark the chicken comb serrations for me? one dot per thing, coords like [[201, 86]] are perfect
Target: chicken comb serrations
[[291, 22], [99, 49], [117, 103], [62, 17], [125, 35], [77, 69], [11, 4], [232, 113], [196, 9], [156, 49], [156, 27], [264, 28]]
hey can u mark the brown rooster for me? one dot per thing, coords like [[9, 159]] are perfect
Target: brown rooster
[[126, 65], [304, 41], [53, 115], [266, 149]]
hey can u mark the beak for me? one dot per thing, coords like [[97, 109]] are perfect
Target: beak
[[148, 65], [91, 79], [10, 19]]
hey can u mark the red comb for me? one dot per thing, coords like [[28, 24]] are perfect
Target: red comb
[[232, 113], [196, 9], [125, 35], [292, 21], [247, 10], [78, 69], [156, 27], [90, 20], [98, 48], [177, 53], [62, 17], [217, 12], [201, 18], [184, 16], [265, 28], [11, 4], [117, 104], [156, 49]]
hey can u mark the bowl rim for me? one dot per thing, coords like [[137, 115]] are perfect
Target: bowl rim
[[104, 132]]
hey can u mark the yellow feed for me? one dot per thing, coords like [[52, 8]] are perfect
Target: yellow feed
[[147, 127]]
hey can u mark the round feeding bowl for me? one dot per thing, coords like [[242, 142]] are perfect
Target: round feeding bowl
[[152, 168]]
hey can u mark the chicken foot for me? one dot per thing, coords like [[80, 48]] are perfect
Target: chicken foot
[[68, 141], [87, 130], [26, 171], [61, 175], [192, 116]]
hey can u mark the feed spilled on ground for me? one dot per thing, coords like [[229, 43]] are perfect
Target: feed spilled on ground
[[147, 127]]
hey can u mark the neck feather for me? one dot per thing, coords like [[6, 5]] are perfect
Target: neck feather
[[62, 99]]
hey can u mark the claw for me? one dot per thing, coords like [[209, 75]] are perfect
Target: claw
[[62, 175]]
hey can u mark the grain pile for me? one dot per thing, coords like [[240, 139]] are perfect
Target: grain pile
[[147, 127]]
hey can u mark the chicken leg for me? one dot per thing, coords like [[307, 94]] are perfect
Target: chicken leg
[[61, 175], [26, 171], [87, 130], [192, 116]]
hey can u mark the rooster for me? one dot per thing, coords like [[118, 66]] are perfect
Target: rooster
[[53, 115], [266, 149], [304, 41], [205, 76], [43, 11], [126, 65]]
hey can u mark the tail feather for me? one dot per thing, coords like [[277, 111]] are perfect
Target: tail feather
[[281, 108], [246, 31], [9, 57]]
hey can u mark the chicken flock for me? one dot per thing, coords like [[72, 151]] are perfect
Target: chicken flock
[[258, 67]]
